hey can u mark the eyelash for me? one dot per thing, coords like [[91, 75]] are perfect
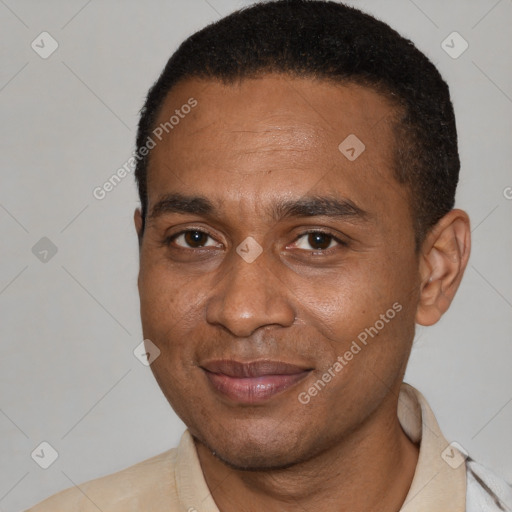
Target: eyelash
[[168, 240], [339, 241]]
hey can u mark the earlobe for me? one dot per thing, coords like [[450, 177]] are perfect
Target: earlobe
[[137, 219], [444, 258]]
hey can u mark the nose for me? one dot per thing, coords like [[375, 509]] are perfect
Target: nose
[[249, 296]]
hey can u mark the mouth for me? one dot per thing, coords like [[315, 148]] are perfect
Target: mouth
[[254, 381]]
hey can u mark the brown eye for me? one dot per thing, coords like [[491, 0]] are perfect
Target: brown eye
[[195, 238], [192, 239], [319, 240]]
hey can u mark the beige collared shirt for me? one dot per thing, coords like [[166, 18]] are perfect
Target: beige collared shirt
[[173, 481]]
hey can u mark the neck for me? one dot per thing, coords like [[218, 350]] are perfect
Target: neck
[[370, 469]]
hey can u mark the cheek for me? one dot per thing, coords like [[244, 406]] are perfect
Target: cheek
[[169, 305], [170, 313], [371, 293]]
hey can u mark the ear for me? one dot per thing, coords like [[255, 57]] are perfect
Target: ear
[[137, 219], [444, 257]]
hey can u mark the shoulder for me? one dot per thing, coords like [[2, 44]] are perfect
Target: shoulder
[[486, 490], [148, 485]]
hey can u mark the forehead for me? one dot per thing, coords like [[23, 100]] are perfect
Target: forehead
[[296, 133]]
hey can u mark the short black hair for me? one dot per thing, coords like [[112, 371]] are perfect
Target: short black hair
[[330, 41]]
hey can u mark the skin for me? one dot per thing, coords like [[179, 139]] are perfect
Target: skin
[[245, 147]]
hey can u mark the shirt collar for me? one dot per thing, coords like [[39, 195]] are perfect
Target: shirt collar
[[439, 481]]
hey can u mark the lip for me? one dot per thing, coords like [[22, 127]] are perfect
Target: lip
[[254, 381]]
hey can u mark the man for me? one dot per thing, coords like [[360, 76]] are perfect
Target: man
[[297, 165]]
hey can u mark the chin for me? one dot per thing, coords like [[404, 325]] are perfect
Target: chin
[[245, 453], [254, 459], [257, 464]]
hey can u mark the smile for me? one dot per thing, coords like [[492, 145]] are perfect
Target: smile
[[252, 382]]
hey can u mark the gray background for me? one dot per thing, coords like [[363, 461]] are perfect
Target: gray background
[[69, 325]]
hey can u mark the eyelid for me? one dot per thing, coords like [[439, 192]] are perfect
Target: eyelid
[[339, 240], [169, 238]]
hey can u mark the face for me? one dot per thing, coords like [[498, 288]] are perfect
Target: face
[[269, 255]]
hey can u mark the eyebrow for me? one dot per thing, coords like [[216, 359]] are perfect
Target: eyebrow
[[310, 206], [179, 203], [318, 206]]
